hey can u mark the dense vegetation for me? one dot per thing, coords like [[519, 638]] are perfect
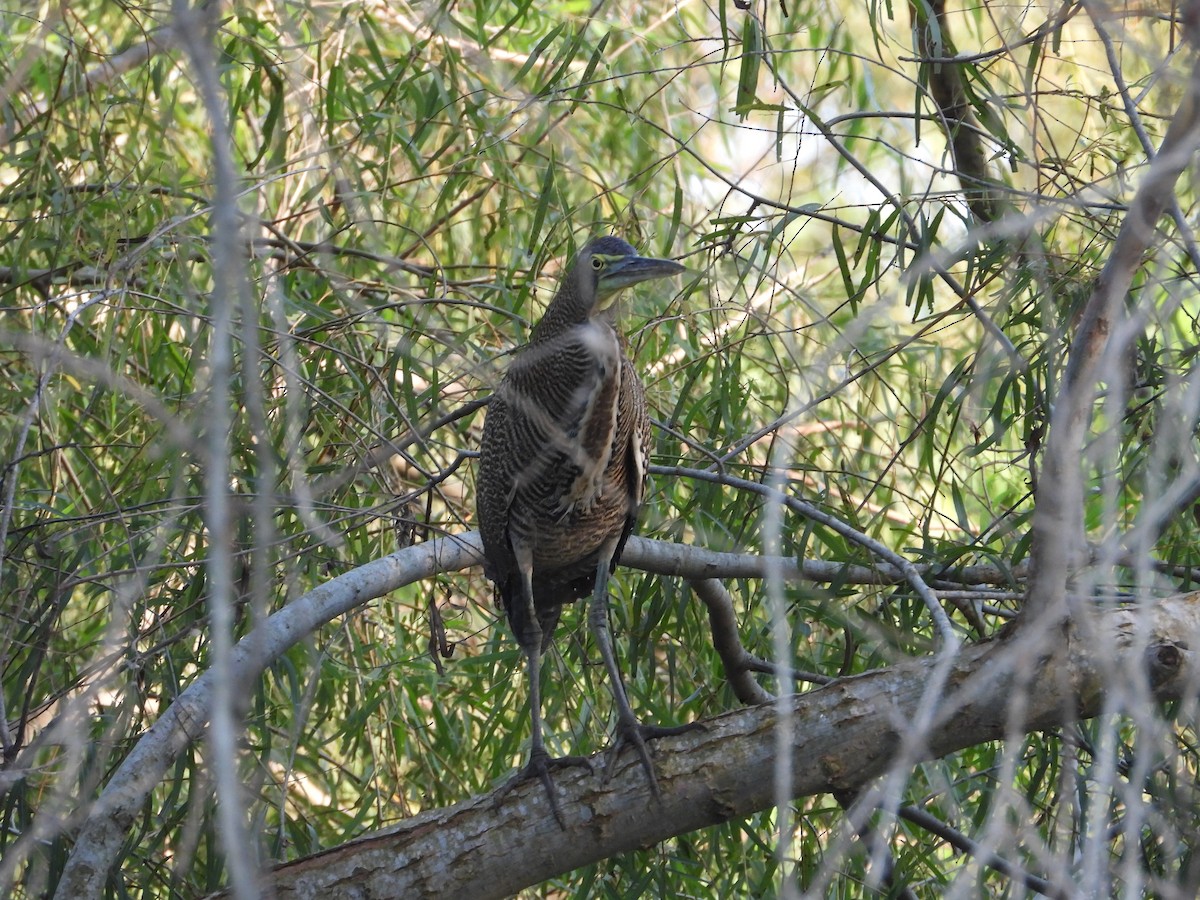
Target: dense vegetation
[[261, 263]]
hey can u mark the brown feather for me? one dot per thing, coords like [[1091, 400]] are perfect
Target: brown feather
[[562, 463]]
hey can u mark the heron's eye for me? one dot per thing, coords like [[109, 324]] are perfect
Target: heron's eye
[[597, 263]]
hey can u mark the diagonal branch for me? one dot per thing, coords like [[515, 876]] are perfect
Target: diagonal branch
[[846, 736], [1098, 349], [103, 73], [948, 89], [111, 817]]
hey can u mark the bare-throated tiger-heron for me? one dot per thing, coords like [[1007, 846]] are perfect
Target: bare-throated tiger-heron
[[562, 471]]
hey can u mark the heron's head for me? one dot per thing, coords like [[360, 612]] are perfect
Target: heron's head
[[608, 265], [603, 268]]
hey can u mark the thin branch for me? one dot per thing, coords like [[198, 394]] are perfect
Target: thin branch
[[195, 29], [876, 846], [985, 857], [766, 667], [99, 75], [940, 620], [723, 622], [690, 561], [948, 90]]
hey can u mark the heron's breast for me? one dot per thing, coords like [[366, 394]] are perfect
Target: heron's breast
[[561, 540]]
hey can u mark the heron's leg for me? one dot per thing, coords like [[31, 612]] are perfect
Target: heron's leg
[[531, 643], [540, 762], [628, 727]]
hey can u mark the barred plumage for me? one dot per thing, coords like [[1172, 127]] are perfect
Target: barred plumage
[[562, 471]]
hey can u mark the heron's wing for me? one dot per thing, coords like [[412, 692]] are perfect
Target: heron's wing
[[633, 447], [550, 428]]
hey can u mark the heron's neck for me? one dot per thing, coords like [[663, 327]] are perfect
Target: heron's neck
[[567, 310]]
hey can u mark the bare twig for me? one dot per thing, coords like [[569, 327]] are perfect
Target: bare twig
[[689, 561], [940, 620], [985, 857], [727, 643]]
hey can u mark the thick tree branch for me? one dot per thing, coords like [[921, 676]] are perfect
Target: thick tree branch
[[109, 819], [847, 734]]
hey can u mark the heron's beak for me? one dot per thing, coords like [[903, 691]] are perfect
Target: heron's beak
[[630, 270]]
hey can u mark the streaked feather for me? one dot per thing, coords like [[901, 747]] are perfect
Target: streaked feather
[[567, 473]]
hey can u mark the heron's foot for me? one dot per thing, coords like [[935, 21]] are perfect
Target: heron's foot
[[634, 732], [539, 766]]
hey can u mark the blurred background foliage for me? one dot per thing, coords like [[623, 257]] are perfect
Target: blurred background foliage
[[870, 318]]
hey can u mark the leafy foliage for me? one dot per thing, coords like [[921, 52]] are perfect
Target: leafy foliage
[[872, 324]]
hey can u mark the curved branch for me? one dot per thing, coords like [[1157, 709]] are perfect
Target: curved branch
[[737, 661], [940, 620], [845, 736], [110, 817]]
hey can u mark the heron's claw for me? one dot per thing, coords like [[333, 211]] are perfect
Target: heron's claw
[[539, 766], [635, 733]]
